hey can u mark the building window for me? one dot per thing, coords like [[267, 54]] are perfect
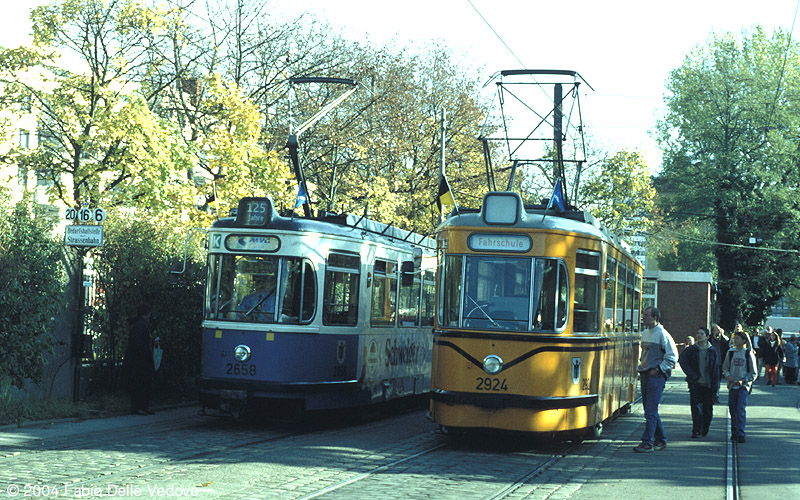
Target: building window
[[22, 174], [41, 178], [24, 139]]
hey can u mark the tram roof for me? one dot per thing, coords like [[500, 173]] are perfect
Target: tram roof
[[538, 217], [345, 225]]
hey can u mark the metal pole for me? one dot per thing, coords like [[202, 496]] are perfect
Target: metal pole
[[441, 156], [77, 335], [557, 126]]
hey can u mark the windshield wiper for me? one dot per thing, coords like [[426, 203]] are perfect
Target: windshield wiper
[[478, 306], [261, 301]]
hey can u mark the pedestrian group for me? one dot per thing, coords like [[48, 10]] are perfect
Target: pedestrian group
[[710, 358]]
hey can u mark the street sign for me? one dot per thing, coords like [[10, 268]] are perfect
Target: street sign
[[84, 236], [85, 214], [99, 215]]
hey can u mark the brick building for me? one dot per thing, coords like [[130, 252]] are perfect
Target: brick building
[[685, 299]]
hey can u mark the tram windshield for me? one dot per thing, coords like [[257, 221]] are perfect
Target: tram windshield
[[503, 293], [260, 289]]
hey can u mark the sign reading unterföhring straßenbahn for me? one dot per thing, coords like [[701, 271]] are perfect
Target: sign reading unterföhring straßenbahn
[[84, 236]]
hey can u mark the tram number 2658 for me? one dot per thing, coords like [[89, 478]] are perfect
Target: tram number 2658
[[240, 369], [491, 384]]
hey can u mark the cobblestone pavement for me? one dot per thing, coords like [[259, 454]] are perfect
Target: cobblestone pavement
[[398, 457]]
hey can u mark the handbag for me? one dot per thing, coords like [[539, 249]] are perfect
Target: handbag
[[158, 353]]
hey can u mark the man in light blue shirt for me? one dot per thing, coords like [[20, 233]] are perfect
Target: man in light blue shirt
[[655, 366]]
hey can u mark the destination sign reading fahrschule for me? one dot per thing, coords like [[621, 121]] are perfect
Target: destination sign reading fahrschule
[[84, 236]]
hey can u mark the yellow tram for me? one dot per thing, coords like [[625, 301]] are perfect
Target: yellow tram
[[537, 325]]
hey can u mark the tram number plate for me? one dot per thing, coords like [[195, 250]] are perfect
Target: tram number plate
[[491, 384], [240, 369], [232, 394]]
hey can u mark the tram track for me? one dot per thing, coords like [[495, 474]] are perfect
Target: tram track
[[214, 450], [109, 478], [365, 475], [731, 465]]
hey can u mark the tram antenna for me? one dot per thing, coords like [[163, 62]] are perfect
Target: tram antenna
[[292, 142]]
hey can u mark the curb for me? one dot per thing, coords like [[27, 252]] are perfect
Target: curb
[[74, 420]]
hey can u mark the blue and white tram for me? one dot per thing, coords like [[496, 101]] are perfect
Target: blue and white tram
[[314, 313]]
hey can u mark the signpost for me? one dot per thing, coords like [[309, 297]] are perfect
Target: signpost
[[82, 236]]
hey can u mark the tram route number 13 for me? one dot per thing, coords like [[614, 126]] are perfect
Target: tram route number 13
[[491, 384]]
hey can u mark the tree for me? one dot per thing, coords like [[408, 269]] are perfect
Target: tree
[[98, 141], [380, 149], [620, 193], [730, 158]]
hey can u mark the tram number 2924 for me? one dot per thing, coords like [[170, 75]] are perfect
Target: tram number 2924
[[491, 384], [240, 369]]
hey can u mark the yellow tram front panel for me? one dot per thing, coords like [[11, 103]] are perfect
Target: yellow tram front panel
[[539, 391]]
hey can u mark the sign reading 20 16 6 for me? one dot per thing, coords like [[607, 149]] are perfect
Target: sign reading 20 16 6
[[403, 354]]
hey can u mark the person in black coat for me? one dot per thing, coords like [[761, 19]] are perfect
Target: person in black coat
[[139, 361], [772, 350], [700, 362]]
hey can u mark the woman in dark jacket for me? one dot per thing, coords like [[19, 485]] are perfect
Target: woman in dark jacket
[[700, 363], [139, 361], [773, 356]]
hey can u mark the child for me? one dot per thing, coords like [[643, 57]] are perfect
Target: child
[[739, 369]]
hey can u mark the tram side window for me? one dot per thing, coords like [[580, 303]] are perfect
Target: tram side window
[[300, 292], [629, 289], [563, 296], [621, 306], [340, 299], [212, 285], [637, 301], [428, 298], [409, 301], [587, 298], [384, 293], [611, 293], [548, 291], [450, 291]]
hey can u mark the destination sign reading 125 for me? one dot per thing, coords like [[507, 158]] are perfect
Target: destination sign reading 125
[[254, 212]]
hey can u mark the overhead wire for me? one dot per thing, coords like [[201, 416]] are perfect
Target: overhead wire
[[496, 33], [691, 239]]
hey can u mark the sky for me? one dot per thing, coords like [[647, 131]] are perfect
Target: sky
[[625, 49]]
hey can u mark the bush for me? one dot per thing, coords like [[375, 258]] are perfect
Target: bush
[[134, 266], [32, 282]]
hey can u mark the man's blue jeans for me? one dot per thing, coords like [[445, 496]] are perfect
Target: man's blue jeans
[[652, 389], [737, 403]]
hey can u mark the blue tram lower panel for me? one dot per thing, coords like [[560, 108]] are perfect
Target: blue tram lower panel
[[321, 370]]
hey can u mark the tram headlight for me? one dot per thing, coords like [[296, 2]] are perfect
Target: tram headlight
[[241, 353], [492, 364]]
